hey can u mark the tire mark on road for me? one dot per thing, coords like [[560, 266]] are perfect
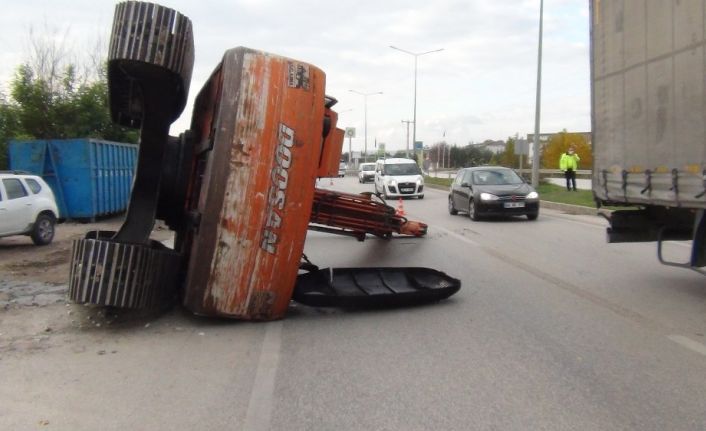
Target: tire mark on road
[[568, 287], [690, 344]]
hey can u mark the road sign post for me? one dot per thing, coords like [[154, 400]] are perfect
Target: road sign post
[[419, 151], [521, 149], [350, 133]]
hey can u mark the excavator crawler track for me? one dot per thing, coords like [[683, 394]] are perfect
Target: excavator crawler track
[[373, 287]]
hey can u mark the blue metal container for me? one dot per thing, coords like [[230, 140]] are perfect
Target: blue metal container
[[89, 177]]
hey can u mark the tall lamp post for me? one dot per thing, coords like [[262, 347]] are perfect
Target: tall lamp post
[[415, 55], [365, 101], [535, 144]]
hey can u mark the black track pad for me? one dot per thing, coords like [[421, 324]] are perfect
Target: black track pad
[[373, 287]]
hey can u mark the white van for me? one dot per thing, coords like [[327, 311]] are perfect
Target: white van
[[366, 172], [399, 178]]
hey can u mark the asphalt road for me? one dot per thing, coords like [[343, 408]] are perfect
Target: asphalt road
[[553, 329]]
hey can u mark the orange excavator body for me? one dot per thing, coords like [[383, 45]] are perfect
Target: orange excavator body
[[238, 188], [258, 148], [264, 132]]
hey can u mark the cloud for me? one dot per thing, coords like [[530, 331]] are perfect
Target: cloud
[[481, 86]]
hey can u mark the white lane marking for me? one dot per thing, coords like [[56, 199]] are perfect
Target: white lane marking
[[259, 413], [690, 344], [454, 234]]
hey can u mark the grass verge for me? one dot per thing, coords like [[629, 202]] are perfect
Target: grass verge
[[442, 182], [554, 193], [547, 192]]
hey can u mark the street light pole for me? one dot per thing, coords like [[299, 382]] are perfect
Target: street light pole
[[535, 144], [415, 55], [365, 113], [407, 151]]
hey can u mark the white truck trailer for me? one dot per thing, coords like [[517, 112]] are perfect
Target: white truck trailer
[[648, 96]]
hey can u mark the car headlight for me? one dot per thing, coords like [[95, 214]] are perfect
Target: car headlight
[[420, 181], [392, 183], [488, 197], [532, 195]]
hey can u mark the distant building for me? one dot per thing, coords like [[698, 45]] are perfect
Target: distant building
[[496, 147], [546, 137]]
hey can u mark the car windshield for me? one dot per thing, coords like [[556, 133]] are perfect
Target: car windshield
[[496, 177], [368, 167], [402, 169]]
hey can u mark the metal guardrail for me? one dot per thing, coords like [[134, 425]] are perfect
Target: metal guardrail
[[579, 172]]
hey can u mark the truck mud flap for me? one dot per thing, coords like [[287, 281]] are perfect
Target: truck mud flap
[[373, 287]]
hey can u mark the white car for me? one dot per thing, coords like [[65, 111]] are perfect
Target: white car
[[398, 178], [27, 207], [366, 172], [342, 169]]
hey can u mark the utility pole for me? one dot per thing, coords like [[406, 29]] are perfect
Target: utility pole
[[443, 154], [448, 162], [408, 123]]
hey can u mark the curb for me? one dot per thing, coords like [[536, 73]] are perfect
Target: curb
[[568, 208], [565, 208]]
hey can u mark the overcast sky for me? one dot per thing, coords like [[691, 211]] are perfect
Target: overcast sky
[[481, 86]]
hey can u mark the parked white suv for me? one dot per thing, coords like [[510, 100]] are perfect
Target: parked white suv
[[27, 207], [399, 177]]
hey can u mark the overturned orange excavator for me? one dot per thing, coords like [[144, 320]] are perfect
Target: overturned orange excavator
[[238, 188]]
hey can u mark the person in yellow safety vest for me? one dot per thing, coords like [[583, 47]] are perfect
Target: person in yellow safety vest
[[569, 163]]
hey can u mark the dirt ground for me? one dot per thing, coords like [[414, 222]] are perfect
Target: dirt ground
[[34, 309], [22, 261]]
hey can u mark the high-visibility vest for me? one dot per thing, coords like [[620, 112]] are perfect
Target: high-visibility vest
[[569, 161]]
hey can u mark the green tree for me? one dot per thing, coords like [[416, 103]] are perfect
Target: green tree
[[71, 110], [478, 156], [439, 155], [9, 128], [48, 99], [470, 155], [456, 156], [508, 158], [560, 143]]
